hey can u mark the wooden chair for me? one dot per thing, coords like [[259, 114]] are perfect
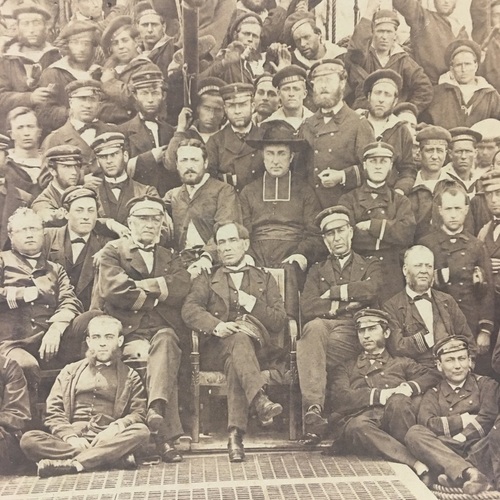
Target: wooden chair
[[217, 380]]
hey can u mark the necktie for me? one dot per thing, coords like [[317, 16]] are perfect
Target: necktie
[[496, 222], [240, 270], [327, 114], [240, 136], [78, 240], [343, 256], [147, 249]]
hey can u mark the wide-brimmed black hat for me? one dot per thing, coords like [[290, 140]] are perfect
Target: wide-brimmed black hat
[[278, 132]]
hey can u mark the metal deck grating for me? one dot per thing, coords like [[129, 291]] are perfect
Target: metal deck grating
[[264, 476]]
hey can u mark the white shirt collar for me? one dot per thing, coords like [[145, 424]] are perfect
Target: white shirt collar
[[247, 261], [412, 294], [336, 108], [116, 180], [73, 235]]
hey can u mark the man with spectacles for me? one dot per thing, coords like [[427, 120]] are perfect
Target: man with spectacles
[[23, 62], [147, 133], [37, 303], [462, 98], [383, 218], [335, 290], [144, 285]]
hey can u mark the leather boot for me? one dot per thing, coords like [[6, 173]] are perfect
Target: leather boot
[[235, 445], [265, 408]]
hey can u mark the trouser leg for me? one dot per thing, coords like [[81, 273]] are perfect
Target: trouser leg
[[399, 416], [11, 456], [243, 376], [37, 445], [31, 370], [365, 433], [323, 345], [111, 451], [430, 450]]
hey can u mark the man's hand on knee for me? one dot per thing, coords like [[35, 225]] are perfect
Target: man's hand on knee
[[226, 329], [79, 443]]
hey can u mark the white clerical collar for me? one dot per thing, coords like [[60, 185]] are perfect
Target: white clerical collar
[[412, 294], [116, 180]]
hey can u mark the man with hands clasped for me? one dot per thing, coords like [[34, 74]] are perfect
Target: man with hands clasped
[[95, 410], [375, 395], [458, 435]]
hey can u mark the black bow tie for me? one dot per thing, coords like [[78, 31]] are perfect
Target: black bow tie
[[147, 249], [424, 296], [328, 114], [117, 185], [87, 126], [343, 256], [379, 190], [78, 240], [496, 221], [152, 122]]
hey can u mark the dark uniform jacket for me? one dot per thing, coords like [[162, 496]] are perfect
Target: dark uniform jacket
[[129, 406], [67, 134], [213, 202], [357, 383], [403, 173], [14, 399], [119, 104], [20, 191], [363, 277], [27, 323], [449, 110], [46, 204], [431, 33], [492, 248], [461, 254], [228, 155], [140, 142], [57, 247], [54, 113], [392, 226], [337, 144], [289, 224], [362, 60], [208, 302], [441, 408], [408, 327], [111, 208], [19, 76], [127, 291]]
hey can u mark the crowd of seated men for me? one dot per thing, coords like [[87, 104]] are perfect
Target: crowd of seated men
[[368, 170]]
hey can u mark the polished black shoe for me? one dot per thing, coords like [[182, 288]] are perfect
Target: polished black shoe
[[426, 478], [446, 481], [266, 409], [235, 445], [314, 422], [475, 481], [169, 454], [49, 468], [128, 462]]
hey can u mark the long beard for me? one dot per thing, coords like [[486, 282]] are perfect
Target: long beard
[[116, 354]]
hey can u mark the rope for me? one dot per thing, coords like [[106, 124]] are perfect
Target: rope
[[445, 493]]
